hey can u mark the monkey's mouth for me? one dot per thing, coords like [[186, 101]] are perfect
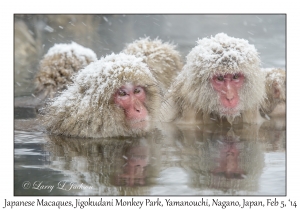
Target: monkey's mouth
[[230, 112], [138, 123]]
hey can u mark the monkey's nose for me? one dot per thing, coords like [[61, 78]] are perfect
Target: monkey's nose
[[137, 106], [229, 95], [229, 91]]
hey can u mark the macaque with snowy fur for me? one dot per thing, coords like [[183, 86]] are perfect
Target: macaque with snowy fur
[[58, 66], [162, 58], [274, 104], [114, 96], [221, 79]]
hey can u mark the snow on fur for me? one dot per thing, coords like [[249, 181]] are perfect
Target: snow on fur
[[86, 107], [275, 89], [72, 49], [162, 58], [274, 74], [58, 66], [220, 54]]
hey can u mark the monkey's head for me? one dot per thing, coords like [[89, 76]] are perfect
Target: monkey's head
[[59, 64], [114, 96], [275, 89], [222, 75], [275, 84], [162, 58]]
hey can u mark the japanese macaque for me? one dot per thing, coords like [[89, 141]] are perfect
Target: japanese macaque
[[221, 79], [114, 96], [162, 58], [58, 66], [274, 104]]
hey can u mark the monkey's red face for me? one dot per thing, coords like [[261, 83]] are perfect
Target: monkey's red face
[[132, 99], [228, 87]]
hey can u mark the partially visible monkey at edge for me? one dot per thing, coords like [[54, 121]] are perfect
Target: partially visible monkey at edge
[[58, 66], [274, 104], [114, 96], [161, 57], [220, 80]]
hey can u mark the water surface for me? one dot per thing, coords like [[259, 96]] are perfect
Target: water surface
[[171, 160]]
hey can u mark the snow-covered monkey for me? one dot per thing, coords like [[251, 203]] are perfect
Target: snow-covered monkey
[[274, 104], [221, 79], [114, 96], [58, 66], [163, 59]]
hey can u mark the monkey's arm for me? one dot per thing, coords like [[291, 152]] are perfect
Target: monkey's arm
[[168, 110]]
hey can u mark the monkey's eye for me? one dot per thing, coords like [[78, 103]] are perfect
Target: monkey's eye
[[137, 90], [235, 76], [122, 93], [220, 78]]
